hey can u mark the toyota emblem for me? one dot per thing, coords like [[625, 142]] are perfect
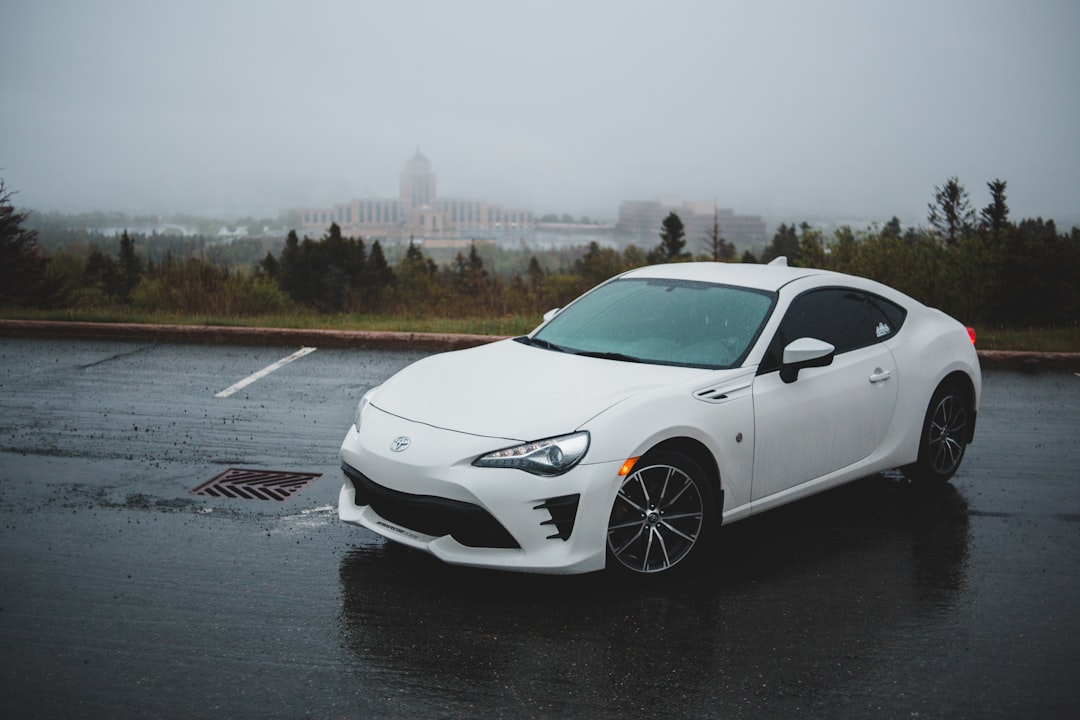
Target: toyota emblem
[[400, 443]]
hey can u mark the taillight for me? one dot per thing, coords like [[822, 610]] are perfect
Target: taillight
[[971, 334]]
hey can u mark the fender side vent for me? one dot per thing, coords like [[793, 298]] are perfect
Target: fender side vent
[[711, 395], [724, 392]]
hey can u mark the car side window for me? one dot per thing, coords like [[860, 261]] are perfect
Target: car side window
[[846, 319]]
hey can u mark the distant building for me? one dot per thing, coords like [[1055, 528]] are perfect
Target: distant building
[[418, 213], [640, 223]]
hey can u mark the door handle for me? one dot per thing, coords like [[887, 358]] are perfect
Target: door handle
[[880, 375]]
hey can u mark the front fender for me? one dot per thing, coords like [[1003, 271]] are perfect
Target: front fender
[[718, 416]]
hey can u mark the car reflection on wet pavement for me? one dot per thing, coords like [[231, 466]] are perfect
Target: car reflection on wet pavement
[[792, 601]]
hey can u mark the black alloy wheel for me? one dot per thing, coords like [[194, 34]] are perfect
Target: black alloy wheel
[[660, 517], [945, 435]]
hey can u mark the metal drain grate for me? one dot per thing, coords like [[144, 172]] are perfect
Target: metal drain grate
[[256, 484]]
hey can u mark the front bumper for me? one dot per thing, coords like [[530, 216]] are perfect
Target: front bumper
[[432, 498]]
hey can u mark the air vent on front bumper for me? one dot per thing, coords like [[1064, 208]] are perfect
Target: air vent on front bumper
[[563, 511], [469, 524]]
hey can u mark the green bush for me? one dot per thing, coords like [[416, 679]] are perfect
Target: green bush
[[258, 296]]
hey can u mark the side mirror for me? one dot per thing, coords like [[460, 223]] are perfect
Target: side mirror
[[551, 313], [805, 353]]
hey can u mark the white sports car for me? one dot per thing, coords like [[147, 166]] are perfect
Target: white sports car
[[625, 429]]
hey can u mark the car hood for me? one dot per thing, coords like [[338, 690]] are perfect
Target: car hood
[[515, 391]]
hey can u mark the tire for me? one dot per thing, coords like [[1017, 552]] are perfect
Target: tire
[[661, 518], [945, 434]]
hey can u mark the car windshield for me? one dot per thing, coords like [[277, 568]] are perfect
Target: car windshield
[[667, 322]]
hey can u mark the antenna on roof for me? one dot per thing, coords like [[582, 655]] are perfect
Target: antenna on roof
[[780, 261]]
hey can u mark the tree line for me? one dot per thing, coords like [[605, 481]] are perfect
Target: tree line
[[977, 265]]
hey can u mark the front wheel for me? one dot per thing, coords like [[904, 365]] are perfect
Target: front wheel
[[661, 516], [945, 435]]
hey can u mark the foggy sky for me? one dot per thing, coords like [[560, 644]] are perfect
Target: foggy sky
[[785, 108]]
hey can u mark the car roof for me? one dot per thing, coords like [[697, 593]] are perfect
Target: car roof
[[759, 277]]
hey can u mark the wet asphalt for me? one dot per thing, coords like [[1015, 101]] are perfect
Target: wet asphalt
[[123, 595]]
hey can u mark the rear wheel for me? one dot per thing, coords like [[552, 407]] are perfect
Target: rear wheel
[[945, 434], [661, 516]]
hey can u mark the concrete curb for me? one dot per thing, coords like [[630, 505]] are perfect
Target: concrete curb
[[370, 340], [1029, 361], [226, 335]]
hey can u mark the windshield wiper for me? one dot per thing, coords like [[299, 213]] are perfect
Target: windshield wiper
[[546, 345], [536, 342], [608, 356]]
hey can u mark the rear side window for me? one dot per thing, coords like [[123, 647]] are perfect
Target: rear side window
[[845, 318]]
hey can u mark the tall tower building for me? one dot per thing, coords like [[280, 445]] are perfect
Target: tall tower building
[[418, 183], [417, 212]]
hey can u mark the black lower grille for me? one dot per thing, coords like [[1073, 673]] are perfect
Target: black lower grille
[[469, 524]]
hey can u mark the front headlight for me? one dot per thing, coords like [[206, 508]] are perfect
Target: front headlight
[[364, 402], [553, 456]]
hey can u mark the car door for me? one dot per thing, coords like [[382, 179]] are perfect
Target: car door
[[833, 416]]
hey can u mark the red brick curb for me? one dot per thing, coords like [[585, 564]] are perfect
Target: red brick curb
[[370, 340], [1030, 361], [225, 335]]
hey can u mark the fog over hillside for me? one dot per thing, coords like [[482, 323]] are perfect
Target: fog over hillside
[[834, 109]]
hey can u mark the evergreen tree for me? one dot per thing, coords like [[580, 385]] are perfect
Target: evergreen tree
[[672, 241], [845, 246], [995, 216], [378, 276], [811, 247], [293, 274], [338, 265], [129, 268], [471, 279], [598, 264], [892, 228], [476, 263], [536, 274], [1040, 276], [951, 215], [270, 266], [23, 269], [417, 281], [102, 273], [785, 243], [420, 263]]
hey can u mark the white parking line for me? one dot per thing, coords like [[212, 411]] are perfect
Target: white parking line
[[264, 372]]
